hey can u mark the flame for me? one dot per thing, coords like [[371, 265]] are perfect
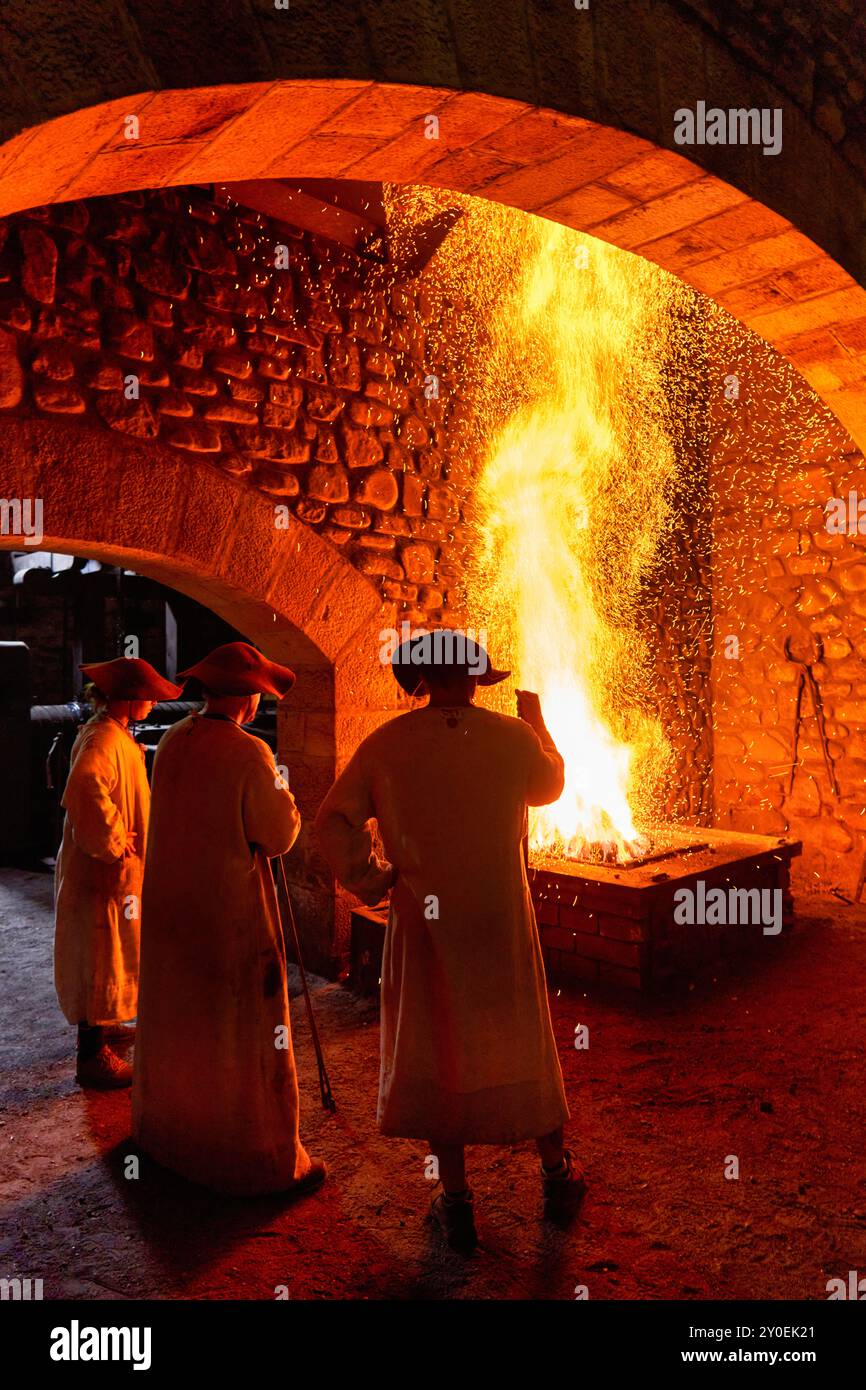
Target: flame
[[573, 499]]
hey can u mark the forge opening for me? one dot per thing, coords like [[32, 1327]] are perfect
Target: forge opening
[[645, 533], [505, 425]]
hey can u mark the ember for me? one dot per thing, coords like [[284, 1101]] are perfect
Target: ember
[[665, 844]]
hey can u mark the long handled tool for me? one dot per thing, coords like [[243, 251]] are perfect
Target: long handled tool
[[328, 1102], [806, 680]]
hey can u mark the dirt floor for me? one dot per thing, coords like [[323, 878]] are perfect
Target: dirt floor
[[764, 1060]]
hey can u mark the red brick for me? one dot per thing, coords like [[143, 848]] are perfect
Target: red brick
[[557, 938], [741, 225], [547, 912], [578, 918], [625, 953], [622, 928], [737, 267]]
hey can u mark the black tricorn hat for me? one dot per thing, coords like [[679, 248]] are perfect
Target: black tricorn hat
[[441, 648]]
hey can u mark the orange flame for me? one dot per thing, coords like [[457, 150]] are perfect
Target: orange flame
[[573, 500]]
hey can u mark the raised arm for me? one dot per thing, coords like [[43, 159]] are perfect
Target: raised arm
[[545, 770], [343, 834]]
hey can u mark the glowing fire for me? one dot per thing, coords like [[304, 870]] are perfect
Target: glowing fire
[[573, 500]]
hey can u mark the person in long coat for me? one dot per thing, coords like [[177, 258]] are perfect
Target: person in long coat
[[468, 1054], [215, 1094], [100, 866]]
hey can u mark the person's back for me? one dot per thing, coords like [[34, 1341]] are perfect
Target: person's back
[[450, 790], [215, 1093], [98, 886], [204, 781], [467, 1048], [99, 868], [471, 761]]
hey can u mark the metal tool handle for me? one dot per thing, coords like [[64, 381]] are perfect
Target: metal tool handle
[[328, 1102]]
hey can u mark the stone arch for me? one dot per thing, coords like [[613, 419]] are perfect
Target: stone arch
[[193, 528], [731, 240], [628, 64]]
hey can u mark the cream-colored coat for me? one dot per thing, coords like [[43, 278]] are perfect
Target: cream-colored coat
[[468, 1052], [215, 1095], [97, 889]]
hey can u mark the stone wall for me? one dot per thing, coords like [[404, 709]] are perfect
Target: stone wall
[[778, 457], [160, 322], [163, 316]]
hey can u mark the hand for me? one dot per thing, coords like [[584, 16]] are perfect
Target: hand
[[529, 708], [129, 850]]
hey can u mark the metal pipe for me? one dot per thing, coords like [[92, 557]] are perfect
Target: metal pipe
[[75, 711]]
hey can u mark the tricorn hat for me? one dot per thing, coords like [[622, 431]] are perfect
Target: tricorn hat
[[442, 647], [238, 669], [129, 678]]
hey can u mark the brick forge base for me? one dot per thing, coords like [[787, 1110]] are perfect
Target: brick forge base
[[616, 924]]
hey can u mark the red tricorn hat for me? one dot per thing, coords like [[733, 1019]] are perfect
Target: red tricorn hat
[[238, 669], [130, 678]]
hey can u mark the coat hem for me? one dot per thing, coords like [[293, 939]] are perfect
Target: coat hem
[[499, 1115]]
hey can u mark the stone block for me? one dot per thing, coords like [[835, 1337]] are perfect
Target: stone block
[[11, 373]]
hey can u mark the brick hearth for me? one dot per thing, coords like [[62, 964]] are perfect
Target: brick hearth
[[617, 926]]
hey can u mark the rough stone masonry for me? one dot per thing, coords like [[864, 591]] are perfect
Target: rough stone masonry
[[162, 315]]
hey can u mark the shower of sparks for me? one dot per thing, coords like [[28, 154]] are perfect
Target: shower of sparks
[[615, 479], [573, 499]]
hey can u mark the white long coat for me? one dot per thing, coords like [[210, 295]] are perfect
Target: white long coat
[[97, 890], [215, 1094], [467, 1047]]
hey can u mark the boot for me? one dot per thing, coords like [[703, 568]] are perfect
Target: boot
[[563, 1191], [121, 1033], [312, 1179], [455, 1217], [104, 1071]]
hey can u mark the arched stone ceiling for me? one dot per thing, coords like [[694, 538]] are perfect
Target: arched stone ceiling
[[615, 185]]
